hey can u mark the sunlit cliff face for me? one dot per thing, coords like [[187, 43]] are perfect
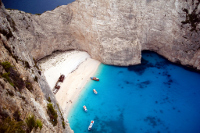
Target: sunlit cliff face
[[111, 31], [115, 32]]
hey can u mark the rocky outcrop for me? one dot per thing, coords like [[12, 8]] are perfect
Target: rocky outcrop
[[23, 89], [111, 31], [115, 32], [21, 95]]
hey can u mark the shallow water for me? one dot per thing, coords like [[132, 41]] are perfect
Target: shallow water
[[154, 97]]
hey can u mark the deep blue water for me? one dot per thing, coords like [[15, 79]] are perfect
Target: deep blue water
[[154, 97], [35, 6]]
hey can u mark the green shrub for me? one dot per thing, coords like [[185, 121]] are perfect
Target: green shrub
[[63, 124], [49, 99], [12, 76], [11, 126], [38, 124], [30, 122], [6, 76], [18, 82], [52, 114], [6, 65]]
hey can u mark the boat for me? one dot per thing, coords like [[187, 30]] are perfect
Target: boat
[[84, 107], [61, 78], [94, 78], [95, 92], [91, 124]]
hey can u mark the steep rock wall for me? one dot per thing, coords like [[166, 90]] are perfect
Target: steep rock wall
[[115, 31], [111, 31], [23, 88]]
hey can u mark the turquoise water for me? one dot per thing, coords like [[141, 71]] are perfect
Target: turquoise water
[[154, 97]]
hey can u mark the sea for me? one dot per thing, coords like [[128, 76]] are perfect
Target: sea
[[35, 6], [156, 96]]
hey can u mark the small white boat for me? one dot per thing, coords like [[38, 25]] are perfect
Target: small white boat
[[95, 92], [84, 107], [91, 124], [94, 78]]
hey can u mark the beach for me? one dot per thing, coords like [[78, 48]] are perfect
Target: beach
[[77, 67]]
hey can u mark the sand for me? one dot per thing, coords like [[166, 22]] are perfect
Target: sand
[[74, 84], [77, 67], [61, 63]]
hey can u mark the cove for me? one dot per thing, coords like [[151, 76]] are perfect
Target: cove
[[156, 96]]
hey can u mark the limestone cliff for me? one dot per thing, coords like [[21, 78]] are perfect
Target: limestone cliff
[[27, 103], [116, 31], [111, 31]]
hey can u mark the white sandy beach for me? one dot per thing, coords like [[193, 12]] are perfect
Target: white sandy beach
[[77, 67]]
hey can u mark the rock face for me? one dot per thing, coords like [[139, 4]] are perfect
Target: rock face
[[23, 92], [115, 31], [111, 31], [23, 88]]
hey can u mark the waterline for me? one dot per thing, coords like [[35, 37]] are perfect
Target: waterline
[[156, 96]]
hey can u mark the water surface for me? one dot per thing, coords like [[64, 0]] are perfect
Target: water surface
[[154, 97]]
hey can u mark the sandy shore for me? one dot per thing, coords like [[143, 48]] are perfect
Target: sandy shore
[[61, 63], [77, 67], [74, 83]]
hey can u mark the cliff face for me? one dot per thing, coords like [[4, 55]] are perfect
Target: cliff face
[[115, 32], [27, 103], [24, 93], [111, 31]]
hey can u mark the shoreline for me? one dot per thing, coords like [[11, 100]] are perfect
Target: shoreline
[[74, 84], [61, 63], [77, 67]]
